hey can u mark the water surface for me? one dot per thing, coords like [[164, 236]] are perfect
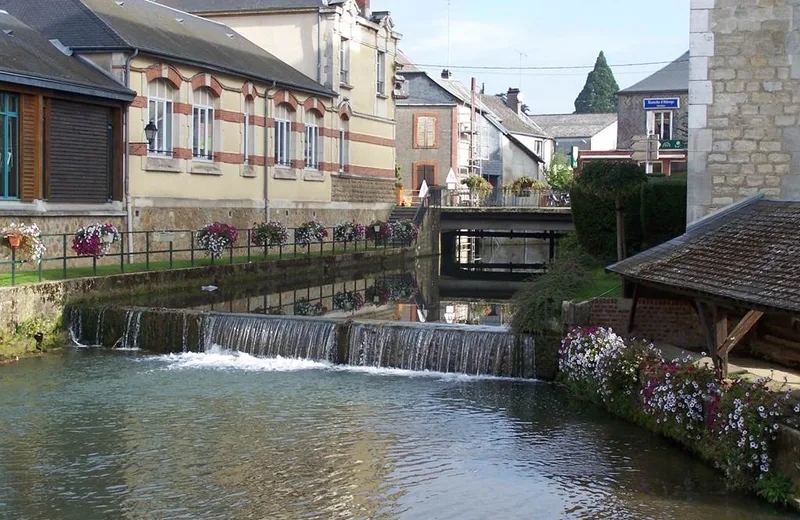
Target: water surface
[[95, 435]]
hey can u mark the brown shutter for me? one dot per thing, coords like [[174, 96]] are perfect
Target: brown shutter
[[419, 133], [30, 154], [430, 132]]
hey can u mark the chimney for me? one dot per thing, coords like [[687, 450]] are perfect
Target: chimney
[[514, 100], [446, 73], [363, 6]]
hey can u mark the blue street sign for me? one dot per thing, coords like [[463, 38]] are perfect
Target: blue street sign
[[662, 103]]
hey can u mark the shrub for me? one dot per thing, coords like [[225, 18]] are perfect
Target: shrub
[[404, 232], [349, 231], [477, 184], [663, 210], [596, 223], [559, 174], [310, 232], [217, 237], [775, 488], [95, 240], [267, 234]]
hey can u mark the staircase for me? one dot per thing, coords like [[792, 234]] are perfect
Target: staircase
[[403, 213]]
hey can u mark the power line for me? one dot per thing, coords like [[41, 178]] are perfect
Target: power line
[[568, 67], [515, 72]]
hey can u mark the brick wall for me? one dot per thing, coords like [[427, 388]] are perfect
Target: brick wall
[[669, 321], [362, 189]]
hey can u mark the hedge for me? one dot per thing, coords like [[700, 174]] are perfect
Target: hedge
[[663, 210], [595, 221]]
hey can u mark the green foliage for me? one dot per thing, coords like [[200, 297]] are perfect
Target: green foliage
[[596, 224], [559, 174], [537, 306], [663, 209], [21, 341], [599, 94], [477, 184], [612, 180], [775, 488], [398, 178]]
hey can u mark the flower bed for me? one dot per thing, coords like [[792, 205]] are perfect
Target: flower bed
[[95, 240], [349, 231], [733, 424], [270, 234], [25, 239], [310, 232], [217, 237], [348, 301]]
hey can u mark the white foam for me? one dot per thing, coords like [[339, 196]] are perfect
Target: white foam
[[219, 359]]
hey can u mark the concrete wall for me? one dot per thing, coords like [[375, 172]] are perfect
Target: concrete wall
[[440, 157], [744, 102], [632, 120], [517, 163]]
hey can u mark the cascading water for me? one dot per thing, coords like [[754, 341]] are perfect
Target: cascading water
[[440, 348], [133, 326], [268, 336]]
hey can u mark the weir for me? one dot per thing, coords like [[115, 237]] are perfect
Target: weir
[[475, 350]]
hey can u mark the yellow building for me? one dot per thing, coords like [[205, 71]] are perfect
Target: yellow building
[[348, 49], [236, 132]]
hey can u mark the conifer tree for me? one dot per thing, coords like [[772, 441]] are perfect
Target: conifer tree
[[599, 95]]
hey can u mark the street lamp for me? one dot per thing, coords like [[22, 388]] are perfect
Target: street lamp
[[150, 132], [377, 230]]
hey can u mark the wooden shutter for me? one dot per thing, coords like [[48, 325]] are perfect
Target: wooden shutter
[[30, 147], [81, 165], [419, 132], [430, 132]]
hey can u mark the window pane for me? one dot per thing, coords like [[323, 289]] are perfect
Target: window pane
[[13, 147]]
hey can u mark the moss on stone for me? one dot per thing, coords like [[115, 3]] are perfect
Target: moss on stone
[[22, 341]]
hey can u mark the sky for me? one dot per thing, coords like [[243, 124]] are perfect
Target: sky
[[540, 33]]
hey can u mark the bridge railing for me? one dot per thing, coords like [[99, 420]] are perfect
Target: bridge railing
[[500, 198]]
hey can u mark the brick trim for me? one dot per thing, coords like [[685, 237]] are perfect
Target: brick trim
[[166, 72], [257, 160], [298, 163], [229, 116], [270, 162], [204, 79], [370, 139], [249, 90], [415, 181], [345, 111], [258, 121], [182, 108], [138, 149], [139, 102], [182, 153], [315, 105], [328, 132], [298, 127], [229, 158], [328, 167], [284, 96], [414, 134], [369, 172]]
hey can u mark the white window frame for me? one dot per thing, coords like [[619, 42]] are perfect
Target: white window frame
[[283, 137], [380, 66], [202, 114], [344, 61], [247, 132], [313, 145], [161, 146], [538, 147], [656, 127]]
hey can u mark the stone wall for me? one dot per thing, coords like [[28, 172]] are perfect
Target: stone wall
[[441, 157], [744, 102], [670, 321], [633, 117], [358, 189]]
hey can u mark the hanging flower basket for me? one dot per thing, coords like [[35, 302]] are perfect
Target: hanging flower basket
[[310, 232], [404, 232], [217, 237], [25, 240], [270, 234], [95, 240], [349, 231]]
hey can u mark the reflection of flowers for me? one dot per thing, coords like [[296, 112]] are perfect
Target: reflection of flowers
[[401, 289], [348, 300], [378, 293], [272, 310], [303, 307]]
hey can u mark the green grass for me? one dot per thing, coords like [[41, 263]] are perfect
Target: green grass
[[602, 284], [28, 275]]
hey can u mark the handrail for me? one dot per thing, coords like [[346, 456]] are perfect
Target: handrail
[[498, 197]]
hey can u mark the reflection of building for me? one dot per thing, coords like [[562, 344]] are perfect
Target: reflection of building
[[656, 106]]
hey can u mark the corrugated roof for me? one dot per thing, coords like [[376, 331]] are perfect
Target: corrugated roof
[[241, 6], [28, 58], [747, 254], [563, 126], [515, 123], [160, 31], [674, 77]]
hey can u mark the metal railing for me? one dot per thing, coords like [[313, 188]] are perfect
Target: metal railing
[[167, 249], [498, 197]]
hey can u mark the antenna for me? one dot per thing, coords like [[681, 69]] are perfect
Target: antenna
[[521, 54], [448, 34]]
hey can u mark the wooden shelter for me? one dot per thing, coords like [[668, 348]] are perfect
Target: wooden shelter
[[742, 263]]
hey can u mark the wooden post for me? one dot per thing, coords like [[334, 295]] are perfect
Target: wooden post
[[632, 313], [720, 335], [708, 322]]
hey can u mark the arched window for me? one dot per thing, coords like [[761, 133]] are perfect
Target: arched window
[[313, 148], [344, 148], [283, 135], [203, 125], [248, 135], [159, 112]]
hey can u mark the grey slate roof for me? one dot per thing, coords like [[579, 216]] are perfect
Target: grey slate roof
[[241, 6], [154, 29], [672, 78], [747, 253], [563, 126], [514, 123], [28, 58]]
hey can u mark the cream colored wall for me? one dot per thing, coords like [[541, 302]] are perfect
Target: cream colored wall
[[292, 37], [150, 177]]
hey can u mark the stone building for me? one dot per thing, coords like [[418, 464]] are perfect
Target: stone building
[[349, 49], [744, 98]]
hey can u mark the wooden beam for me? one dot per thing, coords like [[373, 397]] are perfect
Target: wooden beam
[[720, 335], [632, 313], [740, 331]]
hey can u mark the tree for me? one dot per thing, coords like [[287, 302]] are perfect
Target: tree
[[559, 173], [613, 181], [599, 94]]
